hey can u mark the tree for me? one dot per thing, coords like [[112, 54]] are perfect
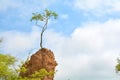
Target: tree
[[118, 65], [6, 70], [43, 18]]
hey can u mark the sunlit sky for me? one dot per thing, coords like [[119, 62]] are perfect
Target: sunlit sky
[[85, 38]]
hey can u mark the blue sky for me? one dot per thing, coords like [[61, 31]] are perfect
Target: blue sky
[[85, 37]]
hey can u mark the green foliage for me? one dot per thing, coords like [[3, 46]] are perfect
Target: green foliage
[[118, 66], [49, 14], [42, 73], [37, 16], [43, 17], [6, 70], [7, 59], [38, 75], [21, 69]]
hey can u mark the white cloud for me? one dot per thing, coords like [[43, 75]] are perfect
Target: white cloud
[[64, 16], [6, 4], [17, 43], [89, 53], [97, 7]]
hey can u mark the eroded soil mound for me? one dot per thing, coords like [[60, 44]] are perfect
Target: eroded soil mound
[[44, 58]]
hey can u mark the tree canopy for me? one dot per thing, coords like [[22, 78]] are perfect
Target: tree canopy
[[118, 66], [6, 71]]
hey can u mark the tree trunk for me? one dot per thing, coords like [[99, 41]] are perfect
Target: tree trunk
[[43, 30]]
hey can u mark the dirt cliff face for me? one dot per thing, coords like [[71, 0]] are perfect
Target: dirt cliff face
[[44, 58]]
